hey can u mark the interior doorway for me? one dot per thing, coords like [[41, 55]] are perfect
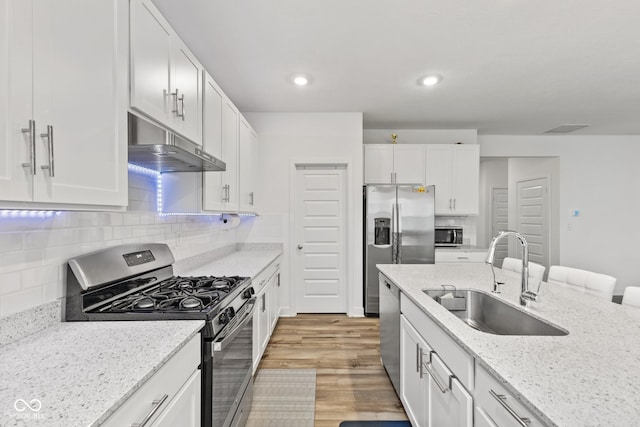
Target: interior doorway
[[533, 217], [320, 244]]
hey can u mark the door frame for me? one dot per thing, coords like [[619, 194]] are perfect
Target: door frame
[[350, 232], [492, 188]]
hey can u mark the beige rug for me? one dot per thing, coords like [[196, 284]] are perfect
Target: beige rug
[[283, 398]]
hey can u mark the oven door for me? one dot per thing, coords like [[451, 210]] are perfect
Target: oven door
[[231, 366]]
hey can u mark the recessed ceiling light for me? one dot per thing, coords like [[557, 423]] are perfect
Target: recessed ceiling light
[[301, 79], [430, 80]]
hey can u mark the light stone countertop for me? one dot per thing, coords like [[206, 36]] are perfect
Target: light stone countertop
[[249, 262], [81, 372], [590, 377]]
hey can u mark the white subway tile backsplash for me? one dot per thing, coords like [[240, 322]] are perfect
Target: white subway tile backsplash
[[11, 242], [10, 282], [21, 300]]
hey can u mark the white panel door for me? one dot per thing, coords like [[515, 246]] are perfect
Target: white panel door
[[150, 61], [186, 98], [414, 382], [409, 163], [533, 218], [80, 92], [16, 40], [500, 220], [320, 243], [212, 143], [378, 164], [439, 164]]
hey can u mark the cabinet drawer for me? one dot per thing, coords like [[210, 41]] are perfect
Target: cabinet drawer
[[442, 257], [263, 277], [166, 382], [502, 407], [458, 360]]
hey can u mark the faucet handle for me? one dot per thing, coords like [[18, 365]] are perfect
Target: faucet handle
[[496, 287]]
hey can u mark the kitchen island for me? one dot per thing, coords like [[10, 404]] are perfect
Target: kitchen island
[[589, 377]]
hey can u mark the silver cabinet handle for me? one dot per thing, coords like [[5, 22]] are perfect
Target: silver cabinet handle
[[226, 196], [264, 302], [454, 203], [300, 246], [31, 130], [156, 405], [395, 178], [175, 102], [502, 399], [418, 357], [443, 388], [251, 196], [49, 136], [228, 193], [449, 203], [181, 113]]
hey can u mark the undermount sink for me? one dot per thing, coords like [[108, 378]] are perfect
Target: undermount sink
[[484, 312]]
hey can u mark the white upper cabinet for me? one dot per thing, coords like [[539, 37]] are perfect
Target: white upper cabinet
[[166, 78], [65, 127], [213, 192], [394, 164], [248, 166], [454, 170], [230, 128]]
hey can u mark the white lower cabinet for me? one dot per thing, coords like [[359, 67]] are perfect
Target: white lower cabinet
[[497, 406], [267, 311], [451, 404], [414, 385], [170, 397]]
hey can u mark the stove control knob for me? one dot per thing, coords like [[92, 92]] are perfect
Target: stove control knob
[[231, 313], [248, 293], [223, 318]]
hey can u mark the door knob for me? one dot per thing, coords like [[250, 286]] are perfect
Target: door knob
[[300, 246]]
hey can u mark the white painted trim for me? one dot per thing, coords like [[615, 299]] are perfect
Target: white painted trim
[[353, 309]]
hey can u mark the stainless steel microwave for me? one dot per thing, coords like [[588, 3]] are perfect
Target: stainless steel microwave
[[448, 236]]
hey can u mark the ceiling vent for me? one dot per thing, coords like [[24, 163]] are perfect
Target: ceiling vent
[[566, 128]]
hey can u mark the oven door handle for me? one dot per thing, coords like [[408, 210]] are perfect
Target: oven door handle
[[248, 317]]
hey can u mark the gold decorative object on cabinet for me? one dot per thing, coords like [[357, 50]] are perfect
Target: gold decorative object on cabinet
[[393, 137]]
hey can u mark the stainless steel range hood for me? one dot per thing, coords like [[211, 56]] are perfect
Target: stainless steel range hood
[[153, 147]]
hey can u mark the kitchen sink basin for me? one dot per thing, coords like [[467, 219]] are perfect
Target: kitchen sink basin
[[484, 312]]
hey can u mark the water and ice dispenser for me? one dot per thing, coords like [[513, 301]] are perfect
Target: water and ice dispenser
[[382, 233]]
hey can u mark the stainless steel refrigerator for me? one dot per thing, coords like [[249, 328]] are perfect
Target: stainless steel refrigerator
[[399, 229]]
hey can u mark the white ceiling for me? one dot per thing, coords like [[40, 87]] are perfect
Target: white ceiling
[[509, 66]]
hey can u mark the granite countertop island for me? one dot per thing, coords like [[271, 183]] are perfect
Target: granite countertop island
[[591, 377]]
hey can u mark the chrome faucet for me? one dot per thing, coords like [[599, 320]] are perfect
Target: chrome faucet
[[527, 295]]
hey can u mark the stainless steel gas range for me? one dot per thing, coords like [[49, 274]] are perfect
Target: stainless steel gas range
[[136, 282]]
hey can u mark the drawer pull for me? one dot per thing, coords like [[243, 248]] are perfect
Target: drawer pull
[[156, 405], [502, 400]]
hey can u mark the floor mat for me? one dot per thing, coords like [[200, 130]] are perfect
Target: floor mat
[[375, 424], [283, 398]]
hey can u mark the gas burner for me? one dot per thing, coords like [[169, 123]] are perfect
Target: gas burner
[[144, 303], [190, 303]]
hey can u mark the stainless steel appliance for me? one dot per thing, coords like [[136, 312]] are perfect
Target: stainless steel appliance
[[399, 229], [449, 236], [136, 282], [153, 147], [390, 331]]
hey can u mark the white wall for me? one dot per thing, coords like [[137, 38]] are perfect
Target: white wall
[[600, 176], [493, 173], [287, 137]]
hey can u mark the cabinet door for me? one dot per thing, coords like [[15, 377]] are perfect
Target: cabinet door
[[245, 167], [186, 93], [150, 61], [254, 172], [378, 163], [409, 163], [79, 93], [212, 141], [274, 301], [414, 383], [439, 162], [230, 155], [263, 307], [184, 409], [451, 404], [466, 177], [16, 39]]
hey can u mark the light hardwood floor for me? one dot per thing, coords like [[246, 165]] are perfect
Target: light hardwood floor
[[351, 383]]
